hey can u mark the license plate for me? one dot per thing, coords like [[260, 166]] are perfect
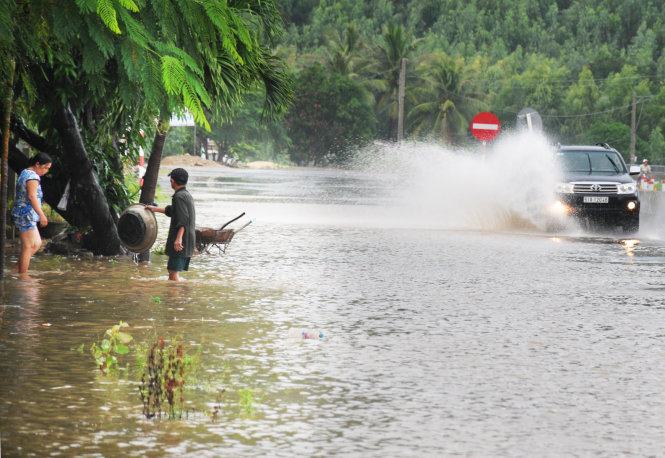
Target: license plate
[[596, 200]]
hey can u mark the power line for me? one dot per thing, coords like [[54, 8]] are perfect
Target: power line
[[581, 115], [564, 81], [609, 110]]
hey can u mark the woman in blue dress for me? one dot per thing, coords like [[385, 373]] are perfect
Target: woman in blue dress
[[27, 210]]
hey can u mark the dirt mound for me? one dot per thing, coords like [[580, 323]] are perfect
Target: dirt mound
[[187, 160]]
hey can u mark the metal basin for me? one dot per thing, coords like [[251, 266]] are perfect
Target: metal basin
[[137, 228]]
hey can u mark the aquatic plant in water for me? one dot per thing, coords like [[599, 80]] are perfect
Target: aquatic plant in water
[[217, 408], [113, 345], [161, 250], [166, 368], [246, 396]]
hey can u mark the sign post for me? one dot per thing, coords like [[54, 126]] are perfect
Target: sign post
[[529, 119], [485, 126]]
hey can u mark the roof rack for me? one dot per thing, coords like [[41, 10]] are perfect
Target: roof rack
[[604, 145]]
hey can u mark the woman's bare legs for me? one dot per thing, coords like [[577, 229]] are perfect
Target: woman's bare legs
[[30, 244]]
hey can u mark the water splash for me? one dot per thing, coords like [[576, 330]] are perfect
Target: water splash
[[506, 185]]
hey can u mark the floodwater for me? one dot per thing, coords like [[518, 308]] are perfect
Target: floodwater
[[437, 339]]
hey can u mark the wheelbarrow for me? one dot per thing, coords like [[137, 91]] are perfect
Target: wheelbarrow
[[208, 238]]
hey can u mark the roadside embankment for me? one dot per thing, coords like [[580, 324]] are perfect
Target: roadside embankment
[[187, 160]]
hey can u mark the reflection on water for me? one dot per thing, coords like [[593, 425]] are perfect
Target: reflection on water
[[437, 342]]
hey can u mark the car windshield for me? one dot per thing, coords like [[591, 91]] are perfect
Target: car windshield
[[591, 162]]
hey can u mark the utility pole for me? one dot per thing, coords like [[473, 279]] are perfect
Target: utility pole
[[194, 151], [400, 100], [4, 168], [633, 130]]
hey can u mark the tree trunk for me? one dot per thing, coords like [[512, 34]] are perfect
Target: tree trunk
[[7, 115], [89, 201], [444, 128], [400, 100], [633, 131], [152, 170]]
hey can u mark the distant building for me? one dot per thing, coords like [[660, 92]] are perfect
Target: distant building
[[211, 149]]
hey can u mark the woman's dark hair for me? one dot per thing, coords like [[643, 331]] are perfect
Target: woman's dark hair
[[40, 158]]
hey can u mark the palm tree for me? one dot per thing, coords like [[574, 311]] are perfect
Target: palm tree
[[443, 102], [396, 45], [343, 56], [342, 53]]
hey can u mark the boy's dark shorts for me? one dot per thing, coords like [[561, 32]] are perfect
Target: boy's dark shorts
[[178, 263]]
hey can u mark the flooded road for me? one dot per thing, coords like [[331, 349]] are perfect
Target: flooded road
[[437, 340]]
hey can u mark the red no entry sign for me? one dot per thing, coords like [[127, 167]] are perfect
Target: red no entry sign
[[485, 126]]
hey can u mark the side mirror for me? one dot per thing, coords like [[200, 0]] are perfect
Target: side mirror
[[634, 169]]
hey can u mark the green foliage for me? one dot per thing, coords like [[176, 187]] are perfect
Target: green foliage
[[581, 97], [113, 345], [247, 136], [577, 62], [107, 12], [131, 184], [180, 140], [443, 101], [655, 149], [330, 117], [245, 152], [181, 82], [343, 52], [110, 162], [246, 399], [615, 134]]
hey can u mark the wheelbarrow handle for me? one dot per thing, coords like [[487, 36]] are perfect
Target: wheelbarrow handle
[[234, 219], [242, 227]]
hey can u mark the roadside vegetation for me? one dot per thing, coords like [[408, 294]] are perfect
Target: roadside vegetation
[[91, 81], [580, 64], [165, 371]]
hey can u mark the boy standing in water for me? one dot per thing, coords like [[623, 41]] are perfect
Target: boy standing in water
[[182, 237]]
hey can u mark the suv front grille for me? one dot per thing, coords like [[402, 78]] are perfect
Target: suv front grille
[[607, 188]]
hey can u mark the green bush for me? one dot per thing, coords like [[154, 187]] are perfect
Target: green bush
[[330, 117]]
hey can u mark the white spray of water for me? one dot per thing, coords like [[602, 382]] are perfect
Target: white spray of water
[[506, 185]]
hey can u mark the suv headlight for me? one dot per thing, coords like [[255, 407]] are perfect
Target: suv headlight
[[627, 188], [564, 188]]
